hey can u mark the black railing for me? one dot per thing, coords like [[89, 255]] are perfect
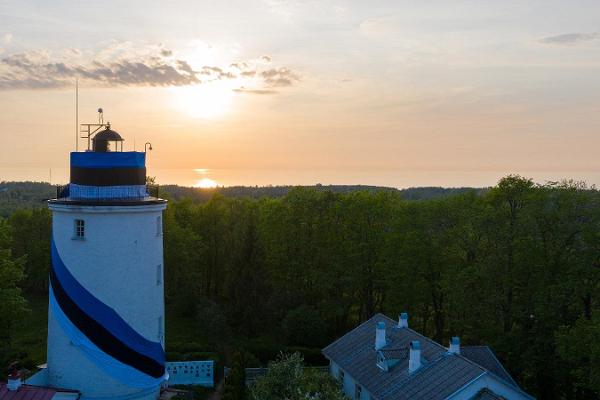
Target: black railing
[[153, 190], [62, 191]]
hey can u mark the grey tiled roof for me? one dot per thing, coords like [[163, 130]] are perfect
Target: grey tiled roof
[[441, 375], [485, 357], [395, 354]]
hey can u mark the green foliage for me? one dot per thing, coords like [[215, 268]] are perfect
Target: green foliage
[[303, 326], [498, 267], [516, 267], [31, 231], [24, 195], [579, 346], [12, 304], [211, 322], [235, 383], [288, 379]]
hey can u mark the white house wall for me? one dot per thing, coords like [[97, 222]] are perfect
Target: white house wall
[[66, 396], [349, 384], [489, 381]]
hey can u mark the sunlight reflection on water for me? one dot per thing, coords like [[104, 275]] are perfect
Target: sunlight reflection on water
[[205, 177]]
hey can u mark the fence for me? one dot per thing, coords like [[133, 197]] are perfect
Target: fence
[[199, 373], [106, 193], [253, 374]]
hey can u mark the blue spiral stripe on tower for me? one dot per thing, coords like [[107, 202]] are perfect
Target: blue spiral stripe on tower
[[111, 366], [102, 325]]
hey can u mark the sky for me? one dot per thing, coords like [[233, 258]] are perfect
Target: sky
[[256, 92]]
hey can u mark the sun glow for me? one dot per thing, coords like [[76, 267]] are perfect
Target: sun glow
[[205, 101], [206, 183]]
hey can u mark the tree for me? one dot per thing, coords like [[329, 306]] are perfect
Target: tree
[[304, 326], [579, 347], [235, 382], [287, 379], [12, 303], [31, 232]]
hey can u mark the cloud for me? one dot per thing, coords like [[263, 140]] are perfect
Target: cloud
[[570, 39], [239, 65], [121, 64], [279, 77], [217, 73], [34, 70], [255, 91], [7, 38]]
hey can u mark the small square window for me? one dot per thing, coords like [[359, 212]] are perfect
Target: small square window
[[79, 229]]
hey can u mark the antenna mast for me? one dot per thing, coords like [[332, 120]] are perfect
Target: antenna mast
[[77, 114], [88, 130]]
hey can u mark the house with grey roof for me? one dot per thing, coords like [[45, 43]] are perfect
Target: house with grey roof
[[383, 359]]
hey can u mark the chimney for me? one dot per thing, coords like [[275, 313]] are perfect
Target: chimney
[[380, 336], [454, 345], [414, 361], [403, 320], [14, 381]]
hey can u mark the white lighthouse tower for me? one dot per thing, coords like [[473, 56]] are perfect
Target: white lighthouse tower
[[106, 313]]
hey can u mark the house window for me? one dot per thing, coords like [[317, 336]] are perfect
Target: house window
[[341, 378], [158, 226], [158, 274], [357, 391], [79, 229]]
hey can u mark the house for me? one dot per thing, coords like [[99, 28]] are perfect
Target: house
[[15, 389], [383, 359]]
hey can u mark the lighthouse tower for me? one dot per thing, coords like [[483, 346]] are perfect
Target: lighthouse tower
[[106, 306]]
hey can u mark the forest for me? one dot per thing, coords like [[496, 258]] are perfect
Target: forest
[[515, 267]]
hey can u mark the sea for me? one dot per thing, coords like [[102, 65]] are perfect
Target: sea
[[398, 178]]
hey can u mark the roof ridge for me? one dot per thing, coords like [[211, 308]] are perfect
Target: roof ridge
[[57, 389], [426, 338], [470, 361], [511, 382]]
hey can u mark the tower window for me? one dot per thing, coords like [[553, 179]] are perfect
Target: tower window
[[158, 274], [158, 226], [79, 229]]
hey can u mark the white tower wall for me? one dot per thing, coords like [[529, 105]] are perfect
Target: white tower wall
[[120, 262]]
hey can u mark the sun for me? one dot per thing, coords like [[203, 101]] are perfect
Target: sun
[[206, 183], [206, 101]]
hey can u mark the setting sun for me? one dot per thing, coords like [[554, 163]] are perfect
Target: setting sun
[[206, 183], [207, 101]]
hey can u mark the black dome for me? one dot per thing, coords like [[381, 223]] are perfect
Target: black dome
[[108, 135], [102, 139]]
